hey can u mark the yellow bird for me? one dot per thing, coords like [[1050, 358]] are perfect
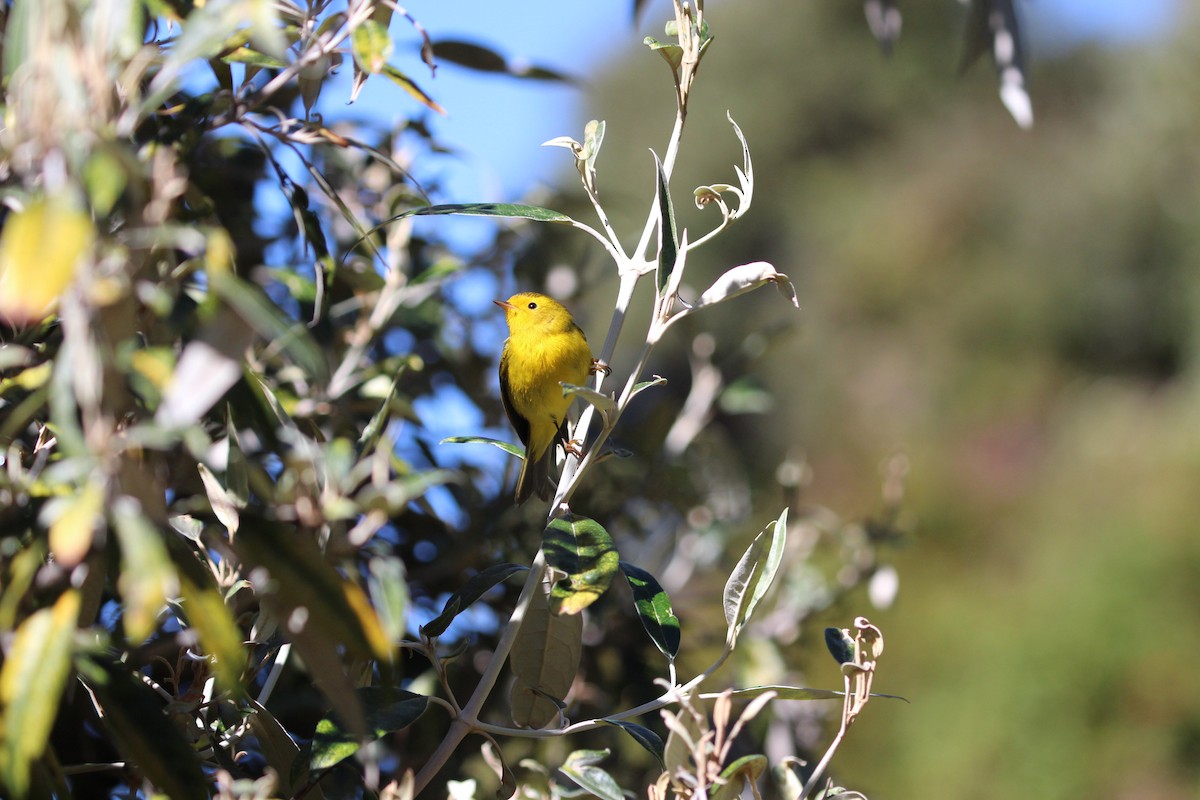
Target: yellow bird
[[544, 347]]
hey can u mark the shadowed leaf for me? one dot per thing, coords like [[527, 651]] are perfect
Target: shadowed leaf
[[388, 710], [544, 660], [468, 594]]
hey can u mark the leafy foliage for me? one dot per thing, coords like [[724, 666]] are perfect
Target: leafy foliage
[[219, 509]]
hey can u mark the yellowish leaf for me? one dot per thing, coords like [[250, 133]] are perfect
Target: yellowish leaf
[[40, 249], [72, 532]]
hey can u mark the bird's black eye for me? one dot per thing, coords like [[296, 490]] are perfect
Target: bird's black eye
[[532, 306]]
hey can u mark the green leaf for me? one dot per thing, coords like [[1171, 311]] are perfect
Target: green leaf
[[374, 428], [251, 57], [32, 679], [654, 609], [474, 588], [512, 449], [668, 234], [388, 710], [604, 403], [148, 577], [136, 717], [784, 693], [840, 644], [642, 386], [407, 84], [580, 767], [753, 575], [544, 660], [747, 768], [672, 53], [643, 736], [581, 548], [372, 46], [507, 210]]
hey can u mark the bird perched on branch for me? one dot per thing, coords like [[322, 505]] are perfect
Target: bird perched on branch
[[545, 348]]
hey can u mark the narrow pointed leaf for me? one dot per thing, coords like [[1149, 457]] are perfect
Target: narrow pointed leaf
[[32, 679], [581, 548], [271, 323], [508, 210], [148, 577], [647, 738], [654, 609], [508, 447], [668, 234], [409, 85], [468, 594]]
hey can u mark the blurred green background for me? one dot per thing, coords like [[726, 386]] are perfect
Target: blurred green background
[[1015, 312]]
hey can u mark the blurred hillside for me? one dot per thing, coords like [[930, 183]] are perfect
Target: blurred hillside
[[1015, 312]]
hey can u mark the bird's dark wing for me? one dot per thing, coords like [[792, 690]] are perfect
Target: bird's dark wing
[[519, 423]]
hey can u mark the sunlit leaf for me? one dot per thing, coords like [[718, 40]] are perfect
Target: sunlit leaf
[[509, 210], [36, 665], [580, 767], [472, 590], [508, 447], [747, 768], [581, 548], [72, 531], [604, 403], [371, 45], [40, 248], [752, 576], [746, 278], [409, 85]]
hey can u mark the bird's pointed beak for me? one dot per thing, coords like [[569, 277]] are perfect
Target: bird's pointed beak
[[507, 306]]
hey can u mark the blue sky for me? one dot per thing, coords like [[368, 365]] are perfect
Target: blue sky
[[499, 123]]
